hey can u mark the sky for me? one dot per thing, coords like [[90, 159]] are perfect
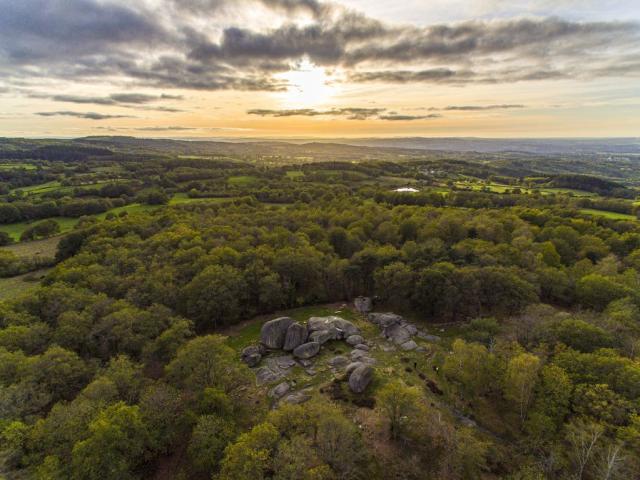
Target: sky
[[309, 68]]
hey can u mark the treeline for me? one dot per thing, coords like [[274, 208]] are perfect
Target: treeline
[[20, 211], [448, 263], [588, 183], [57, 153]]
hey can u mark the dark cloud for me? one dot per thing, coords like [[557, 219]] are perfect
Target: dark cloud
[[434, 75], [407, 118], [87, 115], [114, 99], [174, 47], [315, 8], [349, 113]]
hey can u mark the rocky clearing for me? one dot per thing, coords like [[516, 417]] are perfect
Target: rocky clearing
[[344, 355]]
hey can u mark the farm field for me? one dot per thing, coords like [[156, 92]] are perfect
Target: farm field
[[611, 215]]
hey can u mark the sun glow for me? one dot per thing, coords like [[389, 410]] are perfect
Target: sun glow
[[307, 86]]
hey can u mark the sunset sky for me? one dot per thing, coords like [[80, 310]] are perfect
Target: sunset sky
[[304, 68]]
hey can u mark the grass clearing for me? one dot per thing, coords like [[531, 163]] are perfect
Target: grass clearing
[[606, 214], [37, 248], [242, 180], [295, 174], [567, 191], [14, 287], [40, 188], [182, 198]]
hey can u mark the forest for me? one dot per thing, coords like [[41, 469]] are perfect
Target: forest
[[133, 276]]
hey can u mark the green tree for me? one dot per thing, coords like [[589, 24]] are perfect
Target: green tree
[[44, 229], [251, 456], [209, 438], [216, 296], [116, 445], [520, 380], [207, 362], [597, 291], [399, 404]]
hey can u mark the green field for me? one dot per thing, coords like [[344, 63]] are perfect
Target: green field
[[67, 224], [37, 189], [611, 215], [567, 191], [16, 229], [294, 174], [242, 180], [16, 166], [182, 198]]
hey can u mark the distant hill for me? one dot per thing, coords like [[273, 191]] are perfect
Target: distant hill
[[542, 146]]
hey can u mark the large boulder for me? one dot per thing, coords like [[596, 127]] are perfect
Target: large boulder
[[385, 320], [320, 323], [354, 340], [363, 304], [343, 327], [266, 375], [338, 361], [296, 335], [279, 390], [323, 336], [296, 398], [360, 378], [411, 328], [252, 355], [410, 345], [274, 332], [397, 333], [307, 350], [284, 362], [352, 366]]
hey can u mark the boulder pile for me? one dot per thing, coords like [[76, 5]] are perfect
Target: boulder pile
[[301, 343], [399, 331]]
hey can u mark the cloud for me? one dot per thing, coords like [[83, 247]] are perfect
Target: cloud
[[194, 44], [87, 115], [113, 99], [165, 129], [434, 75], [407, 118], [472, 108], [350, 113]]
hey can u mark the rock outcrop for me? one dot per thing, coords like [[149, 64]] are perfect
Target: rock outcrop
[[295, 336], [307, 350], [354, 340], [363, 304], [253, 354], [279, 390], [274, 332], [344, 328], [323, 336], [384, 320], [360, 378], [338, 361]]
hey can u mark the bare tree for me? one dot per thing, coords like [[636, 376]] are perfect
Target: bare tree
[[583, 437], [611, 462]]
